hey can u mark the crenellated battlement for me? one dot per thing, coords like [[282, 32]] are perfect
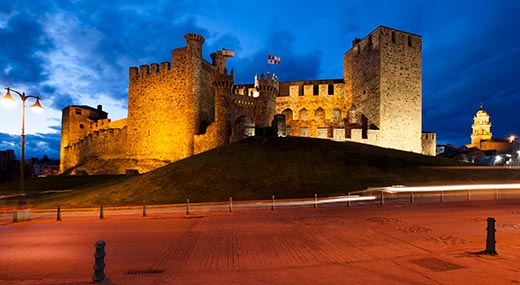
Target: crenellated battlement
[[267, 84], [224, 80], [94, 136], [208, 68], [152, 69], [194, 37], [100, 125]]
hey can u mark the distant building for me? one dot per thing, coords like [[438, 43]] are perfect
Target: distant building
[[45, 167], [482, 137], [6, 159]]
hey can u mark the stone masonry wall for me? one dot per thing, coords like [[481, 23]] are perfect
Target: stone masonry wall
[[401, 89], [163, 105], [362, 78], [76, 125], [105, 145], [327, 109]]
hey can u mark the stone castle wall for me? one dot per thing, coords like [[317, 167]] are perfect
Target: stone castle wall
[[105, 145], [313, 108]]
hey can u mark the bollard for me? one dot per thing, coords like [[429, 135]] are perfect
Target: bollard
[[490, 240], [315, 200], [382, 198], [442, 196], [469, 195], [272, 204], [144, 210], [348, 201], [187, 206], [496, 193], [230, 204], [99, 263], [101, 214], [412, 200], [58, 215]]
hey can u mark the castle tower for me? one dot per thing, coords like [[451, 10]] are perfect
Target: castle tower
[[481, 128], [75, 125], [222, 86], [163, 105], [265, 108], [383, 72]]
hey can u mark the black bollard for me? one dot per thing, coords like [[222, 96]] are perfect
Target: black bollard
[[187, 206], [101, 214], [272, 204], [230, 204], [315, 200], [144, 210], [490, 240], [99, 261], [58, 215]]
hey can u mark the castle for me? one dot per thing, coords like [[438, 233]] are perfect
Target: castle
[[187, 106]]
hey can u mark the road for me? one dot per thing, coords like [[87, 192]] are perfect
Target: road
[[403, 243]]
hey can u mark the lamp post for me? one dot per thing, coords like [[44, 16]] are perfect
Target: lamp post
[[21, 214]]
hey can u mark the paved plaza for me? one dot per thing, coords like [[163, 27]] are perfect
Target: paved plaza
[[424, 243]]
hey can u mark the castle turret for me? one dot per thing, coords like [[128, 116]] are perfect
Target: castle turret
[[265, 108], [194, 67], [219, 60], [222, 85]]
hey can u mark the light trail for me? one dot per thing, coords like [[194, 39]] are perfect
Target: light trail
[[325, 200], [400, 189]]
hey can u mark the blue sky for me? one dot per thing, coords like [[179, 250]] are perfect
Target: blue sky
[[79, 52]]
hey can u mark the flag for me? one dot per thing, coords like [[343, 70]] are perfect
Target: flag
[[228, 52], [271, 59]]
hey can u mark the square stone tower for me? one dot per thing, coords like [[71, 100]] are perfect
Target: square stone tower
[[383, 72]]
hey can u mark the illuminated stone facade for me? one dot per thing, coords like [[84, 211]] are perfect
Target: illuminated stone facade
[[481, 128], [180, 108], [482, 137]]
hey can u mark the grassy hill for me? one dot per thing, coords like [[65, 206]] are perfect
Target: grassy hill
[[257, 168]]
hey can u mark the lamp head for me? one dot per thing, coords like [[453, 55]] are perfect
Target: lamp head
[[8, 99], [37, 107]]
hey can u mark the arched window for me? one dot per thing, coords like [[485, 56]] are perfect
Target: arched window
[[288, 114], [336, 115], [303, 114], [319, 115]]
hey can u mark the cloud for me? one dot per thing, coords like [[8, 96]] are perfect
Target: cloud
[[35, 145]]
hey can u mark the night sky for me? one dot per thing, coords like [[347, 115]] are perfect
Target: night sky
[[79, 52]]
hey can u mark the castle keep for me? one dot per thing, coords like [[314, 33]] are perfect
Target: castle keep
[[180, 108]]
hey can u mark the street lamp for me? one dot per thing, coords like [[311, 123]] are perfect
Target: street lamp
[[21, 214]]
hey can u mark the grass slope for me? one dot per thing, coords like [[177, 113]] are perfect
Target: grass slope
[[257, 168]]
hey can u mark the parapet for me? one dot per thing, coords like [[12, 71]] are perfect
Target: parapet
[[145, 69], [267, 84], [223, 80], [194, 37]]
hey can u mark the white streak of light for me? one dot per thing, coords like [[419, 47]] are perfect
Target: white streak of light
[[450, 188]]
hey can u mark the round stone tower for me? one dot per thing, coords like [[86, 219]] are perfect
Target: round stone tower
[[265, 108], [222, 85]]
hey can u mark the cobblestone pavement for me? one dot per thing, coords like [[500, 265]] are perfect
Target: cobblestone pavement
[[430, 243]]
